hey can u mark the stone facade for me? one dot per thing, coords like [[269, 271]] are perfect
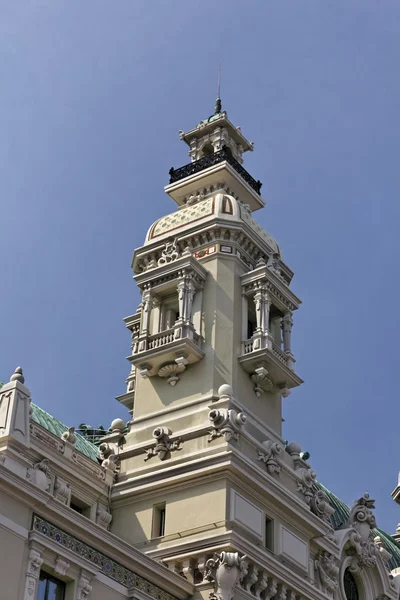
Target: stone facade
[[199, 496]]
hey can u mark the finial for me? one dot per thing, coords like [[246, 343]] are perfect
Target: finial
[[18, 375], [218, 103]]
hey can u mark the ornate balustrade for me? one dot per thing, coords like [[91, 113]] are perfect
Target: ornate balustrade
[[280, 354], [213, 159], [244, 573], [161, 339]]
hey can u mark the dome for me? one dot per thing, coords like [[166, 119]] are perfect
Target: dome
[[199, 212]]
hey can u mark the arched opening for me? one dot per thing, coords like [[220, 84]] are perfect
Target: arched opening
[[206, 150], [350, 586]]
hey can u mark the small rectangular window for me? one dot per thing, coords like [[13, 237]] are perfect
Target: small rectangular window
[[269, 533], [80, 507], [50, 588], [159, 514]]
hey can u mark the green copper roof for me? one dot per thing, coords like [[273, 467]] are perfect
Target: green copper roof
[[341, 516], [43, 418]]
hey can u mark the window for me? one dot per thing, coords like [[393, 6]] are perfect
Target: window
[[80, 507], [50, 588], [350, 586], [269, 533], [158, 520]]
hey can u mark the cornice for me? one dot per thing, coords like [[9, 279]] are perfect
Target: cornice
[[229, 465]]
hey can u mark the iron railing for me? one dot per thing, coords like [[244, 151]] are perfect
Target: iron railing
[[211, 160]]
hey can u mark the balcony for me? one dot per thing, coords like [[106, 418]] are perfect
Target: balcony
[[212, 169], [269, 366], [209, 161], [167, 353]]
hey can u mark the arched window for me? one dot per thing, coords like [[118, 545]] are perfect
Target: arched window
[[350, 586]]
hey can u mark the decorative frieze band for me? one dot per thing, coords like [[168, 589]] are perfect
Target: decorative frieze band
[[106, 565]]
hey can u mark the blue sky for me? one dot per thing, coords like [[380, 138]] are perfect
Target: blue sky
[[93, 95]]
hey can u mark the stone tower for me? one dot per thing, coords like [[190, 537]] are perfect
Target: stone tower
[[205, 481]]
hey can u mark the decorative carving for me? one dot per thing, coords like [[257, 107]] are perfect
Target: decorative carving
[[84, 588], [35, 561], [262, 383], [108, 456], [62, 491], [171, 371], [39, 475], [61, 567], [327, 568], [307, 478], [362, 546], [169, 254], [164, 445], [69, 436], [103, 517], [106, 565], [320, 506], [385, 555], [227, 423], [226, 570], [272, 450]]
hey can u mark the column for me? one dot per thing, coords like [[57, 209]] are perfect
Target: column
[[287, 331], [245, 316], [146, 312], [155, 315], [262, 304], [182, 299], [189, 301], [35, 561]]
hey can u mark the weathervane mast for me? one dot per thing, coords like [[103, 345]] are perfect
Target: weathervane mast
[[218, 103]]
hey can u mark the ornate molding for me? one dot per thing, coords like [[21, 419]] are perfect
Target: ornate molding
[[35, 561], [361, 538], [227, 423], [269, 457], [164, 445], [105, 565], [226, 570]]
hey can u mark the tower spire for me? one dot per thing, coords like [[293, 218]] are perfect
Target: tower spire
[[218, 103]]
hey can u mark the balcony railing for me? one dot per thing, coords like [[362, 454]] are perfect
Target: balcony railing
[[247, 346], [280, 354], [161, 339], [211, 160]]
